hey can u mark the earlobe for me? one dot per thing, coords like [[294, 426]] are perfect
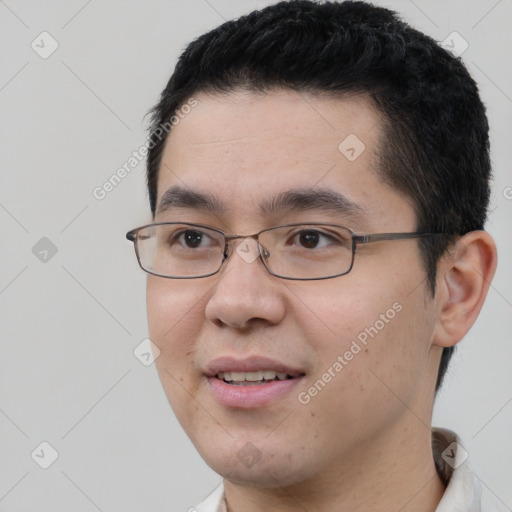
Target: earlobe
[[464, 276]]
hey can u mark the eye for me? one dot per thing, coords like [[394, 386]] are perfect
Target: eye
[[190, 239], [313, 239]]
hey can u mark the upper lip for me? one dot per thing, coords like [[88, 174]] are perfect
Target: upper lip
[[249, 364]]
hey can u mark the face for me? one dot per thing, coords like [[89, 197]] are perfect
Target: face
[[357, 346]]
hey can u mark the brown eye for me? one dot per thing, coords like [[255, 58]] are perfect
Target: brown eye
[[314, 239], [309, 239], [189, 239], [192, 238]]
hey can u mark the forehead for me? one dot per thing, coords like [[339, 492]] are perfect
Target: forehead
[[244, 148], [282, 120]]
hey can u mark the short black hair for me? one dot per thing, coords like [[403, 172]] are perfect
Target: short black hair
[[436, 143]]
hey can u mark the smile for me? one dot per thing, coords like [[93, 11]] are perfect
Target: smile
[[252, 378], [252, 382]]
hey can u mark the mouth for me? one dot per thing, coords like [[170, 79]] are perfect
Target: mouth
[[251, 383]]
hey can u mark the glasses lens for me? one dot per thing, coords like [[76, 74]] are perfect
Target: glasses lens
[[180, 250], [308, 251]]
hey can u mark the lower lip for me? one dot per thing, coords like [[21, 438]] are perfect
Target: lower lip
[[250, 397]]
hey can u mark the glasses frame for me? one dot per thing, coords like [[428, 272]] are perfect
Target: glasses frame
[[355, 237]]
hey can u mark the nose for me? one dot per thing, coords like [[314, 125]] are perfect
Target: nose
[[245, 293]]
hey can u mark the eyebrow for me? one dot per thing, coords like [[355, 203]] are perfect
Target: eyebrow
[[301, 199]]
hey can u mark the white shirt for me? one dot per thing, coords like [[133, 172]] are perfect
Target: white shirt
[[463, 490]]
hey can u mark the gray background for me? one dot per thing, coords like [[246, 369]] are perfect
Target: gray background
[[70, 323]]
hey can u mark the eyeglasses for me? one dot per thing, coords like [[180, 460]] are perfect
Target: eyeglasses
[[181, 250]]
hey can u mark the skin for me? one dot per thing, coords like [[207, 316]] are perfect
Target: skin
[[363, 442]]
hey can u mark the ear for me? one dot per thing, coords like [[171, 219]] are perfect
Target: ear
[[464, 276]]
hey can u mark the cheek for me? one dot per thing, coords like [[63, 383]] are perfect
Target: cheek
[[175, 317], [172, 309], [332, 316], [369, 350], [174, 313]]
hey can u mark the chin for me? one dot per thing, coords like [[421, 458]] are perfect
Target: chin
[[248, 466]]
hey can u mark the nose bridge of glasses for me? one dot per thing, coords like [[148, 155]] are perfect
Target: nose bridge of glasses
[[241, 238], [249, 248]]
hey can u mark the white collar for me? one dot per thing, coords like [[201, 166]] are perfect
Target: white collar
[[463, 491], [462, 494]]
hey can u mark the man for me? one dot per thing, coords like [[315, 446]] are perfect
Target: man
[[319, 181]]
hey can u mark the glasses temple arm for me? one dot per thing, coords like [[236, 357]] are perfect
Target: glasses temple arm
[[378, 237]]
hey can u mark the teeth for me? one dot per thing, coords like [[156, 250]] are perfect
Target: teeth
[[237, 376], [251, 376]]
